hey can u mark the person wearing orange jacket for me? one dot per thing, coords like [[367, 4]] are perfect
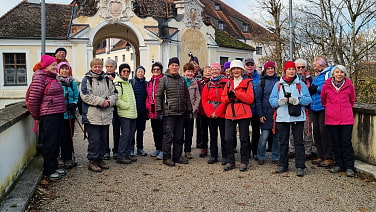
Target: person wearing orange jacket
[[237, 96], [215, 111]]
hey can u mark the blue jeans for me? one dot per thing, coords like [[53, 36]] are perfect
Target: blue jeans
[[128, 128], [343, 150], [261, 150]]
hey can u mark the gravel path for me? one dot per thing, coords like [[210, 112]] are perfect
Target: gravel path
[[148, 185]]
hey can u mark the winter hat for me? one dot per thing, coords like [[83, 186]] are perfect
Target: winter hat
[[62, 64], [322, 62], [340, 67], [226, 65], [157, 64], [289, 64], [216, 65], [269, 64], [249, 60], [140, 67], [236, 63], [60, 49], [174, 60], [123, 66], [46, 60]]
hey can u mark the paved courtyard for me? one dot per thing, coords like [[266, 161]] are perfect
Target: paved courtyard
[[148, 185]]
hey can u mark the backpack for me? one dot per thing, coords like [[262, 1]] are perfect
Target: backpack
[[80, 102]]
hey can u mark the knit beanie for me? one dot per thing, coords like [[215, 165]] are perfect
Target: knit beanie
[[340, 67], [174, 60], [226, 65], [140, 67], [157, 64], [269, 64], [46, 60], [62, 64], [288, 64], [216, 65], [123, 66], [60, 49]]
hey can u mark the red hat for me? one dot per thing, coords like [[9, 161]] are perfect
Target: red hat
[[216, 65], [269, 64], [46, 60], [289, 64]]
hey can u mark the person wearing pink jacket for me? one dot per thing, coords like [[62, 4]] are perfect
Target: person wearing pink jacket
[[338, 98]]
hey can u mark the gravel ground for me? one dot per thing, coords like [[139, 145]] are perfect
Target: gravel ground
[[148, 185]]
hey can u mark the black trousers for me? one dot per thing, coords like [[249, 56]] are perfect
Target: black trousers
[[215, 125], [140, 128], [67, 140], [173, 136], [50, 135], [97, 137], [322, 136], [115, 132], [202, 136], [188, 134], [244, 139], [157, 128], [255, 122]]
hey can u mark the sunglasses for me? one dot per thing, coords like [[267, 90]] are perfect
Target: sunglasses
[[156, 69], [250, 64], [300, 67], [126, 71]]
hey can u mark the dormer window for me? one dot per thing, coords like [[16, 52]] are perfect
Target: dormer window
[[221, 25], [245, 27], [217, 7]]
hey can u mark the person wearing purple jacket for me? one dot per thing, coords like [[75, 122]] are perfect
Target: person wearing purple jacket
[[338, 98], [46, 104]]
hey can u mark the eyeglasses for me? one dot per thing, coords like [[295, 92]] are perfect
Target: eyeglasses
[[300, 67], [250, 64], [156, 69], [126, 71]]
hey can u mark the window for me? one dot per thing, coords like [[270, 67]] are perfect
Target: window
[[245, 27], [116, 58], [217, 7], [220, 25], [258, 50], [123, 57], [223, 60], [15, 69]]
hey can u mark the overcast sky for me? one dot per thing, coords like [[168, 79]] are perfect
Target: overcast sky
[[241, 5]]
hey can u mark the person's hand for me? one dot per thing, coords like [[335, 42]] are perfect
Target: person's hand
[[282, 101], [213, 115], [106, 103], [231, 95], [262, 119], [312, 89], [71, 107], [159, 115], [293, 100]]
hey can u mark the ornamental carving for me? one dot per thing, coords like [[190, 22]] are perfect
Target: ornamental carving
[[115, 11], [192, 15]]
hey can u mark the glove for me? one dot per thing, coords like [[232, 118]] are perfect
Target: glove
[[231, 95], [293, 100], [282, 101], [71, 107], [189, 115], [159, 115], [312, 89]]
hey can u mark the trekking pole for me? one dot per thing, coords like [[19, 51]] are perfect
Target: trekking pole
[[79, 124]]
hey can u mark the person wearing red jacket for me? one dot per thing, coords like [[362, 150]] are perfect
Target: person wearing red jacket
[[237, 97], [338, 98], [215, 111]]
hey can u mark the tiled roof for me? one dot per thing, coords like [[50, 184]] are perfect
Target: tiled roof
[[24, 21]]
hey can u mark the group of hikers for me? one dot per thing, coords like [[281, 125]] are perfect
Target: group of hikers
[[287, 115]]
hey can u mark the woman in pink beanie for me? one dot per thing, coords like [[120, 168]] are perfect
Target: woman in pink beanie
[[45, 100]]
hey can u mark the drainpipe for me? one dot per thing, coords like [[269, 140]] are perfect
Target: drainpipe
[[43, 24]]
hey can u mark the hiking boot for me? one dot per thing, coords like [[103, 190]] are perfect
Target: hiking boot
[[160, 156], [336, 169], [316, 161], [261, 162], [203, 153], [93, 166], [132, 158], [114, 155], [350, 173], [326, 163], [300, 172], [123, 161], [188, 155], [169, 162], [102, 164], [228, 167], [243, 167], [69, 164], [281, 169], [155, 153], [181, 160], [54, 176], [212, 160], [61, 172], [106, 156], [276, 162], [141, 152]]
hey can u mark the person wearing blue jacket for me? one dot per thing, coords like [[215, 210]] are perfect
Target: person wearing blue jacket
[[251, 73], [321, 134], [265, 112], [286, 94]]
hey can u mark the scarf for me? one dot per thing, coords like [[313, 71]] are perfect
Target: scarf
[[339, 84], [188, 81], [64, 80], [289, 80]]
